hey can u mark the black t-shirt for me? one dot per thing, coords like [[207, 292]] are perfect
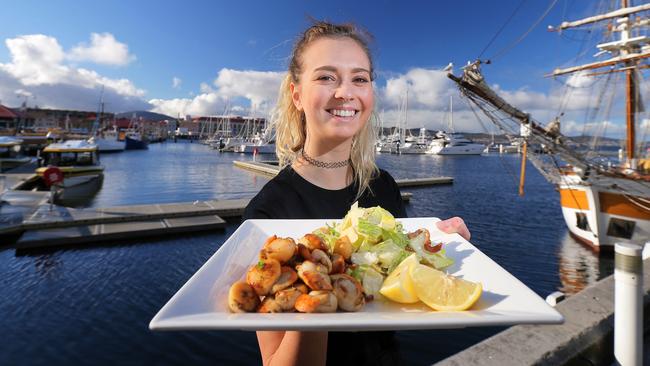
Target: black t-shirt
[[290, 196]]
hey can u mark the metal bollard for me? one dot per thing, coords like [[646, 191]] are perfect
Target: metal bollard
[[628, 304]]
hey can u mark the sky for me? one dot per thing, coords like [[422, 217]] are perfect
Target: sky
[[216, 57]]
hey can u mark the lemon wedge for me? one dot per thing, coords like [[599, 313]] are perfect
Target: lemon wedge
[[398, 286], [441, 291]]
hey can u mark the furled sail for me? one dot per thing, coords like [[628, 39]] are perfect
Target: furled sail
[[473, 86]]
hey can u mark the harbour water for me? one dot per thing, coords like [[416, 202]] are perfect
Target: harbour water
[[92, 305]]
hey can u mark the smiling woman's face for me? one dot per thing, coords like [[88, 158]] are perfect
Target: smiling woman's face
[[335, 89]]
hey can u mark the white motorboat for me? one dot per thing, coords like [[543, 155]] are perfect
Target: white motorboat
[[454, 144], [109, 141]]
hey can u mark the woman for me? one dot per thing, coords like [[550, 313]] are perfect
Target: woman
[[325, 144]]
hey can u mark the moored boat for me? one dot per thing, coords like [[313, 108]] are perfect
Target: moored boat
[[10, 153], [78, 160]]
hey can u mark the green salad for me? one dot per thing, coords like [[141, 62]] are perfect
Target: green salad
[[380, 244]]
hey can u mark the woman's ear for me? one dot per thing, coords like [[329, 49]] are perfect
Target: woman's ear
[[295, 95]]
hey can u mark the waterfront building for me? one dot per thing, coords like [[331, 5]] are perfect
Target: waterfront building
[[7, 119]]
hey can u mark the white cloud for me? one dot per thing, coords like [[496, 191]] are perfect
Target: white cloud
[[176, 82], [38, 67], [205, 88], [201, 105], [103, 49], [36, 59], [597, 128], [258, 89], [426, 88]]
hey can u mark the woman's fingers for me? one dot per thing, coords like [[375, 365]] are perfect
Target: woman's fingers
[[454, 225]]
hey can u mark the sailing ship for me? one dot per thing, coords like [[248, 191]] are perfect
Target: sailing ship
[[603, 202]]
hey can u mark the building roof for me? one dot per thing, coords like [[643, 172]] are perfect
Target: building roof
[[6, 112]]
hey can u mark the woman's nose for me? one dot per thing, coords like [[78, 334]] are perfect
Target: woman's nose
[[344, 91]]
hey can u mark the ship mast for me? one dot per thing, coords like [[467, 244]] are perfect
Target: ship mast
[[627, 51], [631, 94]]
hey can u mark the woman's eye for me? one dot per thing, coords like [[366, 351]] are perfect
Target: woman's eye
[[360, 80], [325, 78]]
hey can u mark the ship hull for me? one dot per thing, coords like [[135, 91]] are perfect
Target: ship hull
[[134, 144], [601, 217]]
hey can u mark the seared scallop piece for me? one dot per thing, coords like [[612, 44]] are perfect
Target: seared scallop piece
[[287, 298], [313, 241], [320, 257], [280, 249], [264, 275], [287, 277], [343, 246], [338, 264], [348, 292], [242, 298], [317, 302], [312, 277], [269, 305]]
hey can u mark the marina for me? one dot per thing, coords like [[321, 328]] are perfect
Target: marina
[[125, 176], [560, 262]]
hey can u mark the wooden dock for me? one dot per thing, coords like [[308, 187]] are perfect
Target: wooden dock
[[271, 169], [28, 216], [65, 226]]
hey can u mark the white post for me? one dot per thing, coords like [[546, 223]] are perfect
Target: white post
[[628, 304], [52, 193]]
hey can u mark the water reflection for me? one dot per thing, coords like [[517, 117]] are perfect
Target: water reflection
[[49, 265], [579, 266]]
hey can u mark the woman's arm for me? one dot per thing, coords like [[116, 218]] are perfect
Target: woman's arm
[[292, 348]]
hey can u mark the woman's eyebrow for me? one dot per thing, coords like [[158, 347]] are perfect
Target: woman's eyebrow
[[334, 69]]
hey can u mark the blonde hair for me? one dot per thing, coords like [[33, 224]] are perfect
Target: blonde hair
[[289, 122]]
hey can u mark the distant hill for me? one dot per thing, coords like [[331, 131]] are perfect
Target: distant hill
[[149, 116]]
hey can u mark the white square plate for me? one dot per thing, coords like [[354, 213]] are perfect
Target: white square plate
[[202, 302]]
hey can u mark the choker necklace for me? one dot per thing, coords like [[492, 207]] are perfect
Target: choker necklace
[[323, 164]]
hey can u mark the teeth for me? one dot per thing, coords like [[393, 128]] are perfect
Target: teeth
[[343, 113]]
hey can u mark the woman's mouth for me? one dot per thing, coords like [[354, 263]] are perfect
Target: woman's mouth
[[344, 113]]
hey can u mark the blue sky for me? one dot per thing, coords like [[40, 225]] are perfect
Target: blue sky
[[245, 44]]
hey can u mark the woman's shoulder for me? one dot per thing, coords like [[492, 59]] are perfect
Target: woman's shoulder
[[383, 179], [270, 201]]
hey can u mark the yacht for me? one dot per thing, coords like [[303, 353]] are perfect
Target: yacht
[[453, 144]]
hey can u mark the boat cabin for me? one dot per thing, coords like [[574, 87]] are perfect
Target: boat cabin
[[70, 153]]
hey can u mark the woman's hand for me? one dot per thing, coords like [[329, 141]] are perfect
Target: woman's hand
[[454, 225]]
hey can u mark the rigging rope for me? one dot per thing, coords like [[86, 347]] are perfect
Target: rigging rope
[[502, 28], [521, 38]]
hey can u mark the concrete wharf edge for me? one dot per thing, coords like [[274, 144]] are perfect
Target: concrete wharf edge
[[587, 333], [272, 170]]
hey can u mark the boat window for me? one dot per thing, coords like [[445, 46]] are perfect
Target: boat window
[[67, 158], [85, 158], [620, 228], [582, 222]]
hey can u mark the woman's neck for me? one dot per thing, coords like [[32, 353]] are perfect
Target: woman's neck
[[328, 178]]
